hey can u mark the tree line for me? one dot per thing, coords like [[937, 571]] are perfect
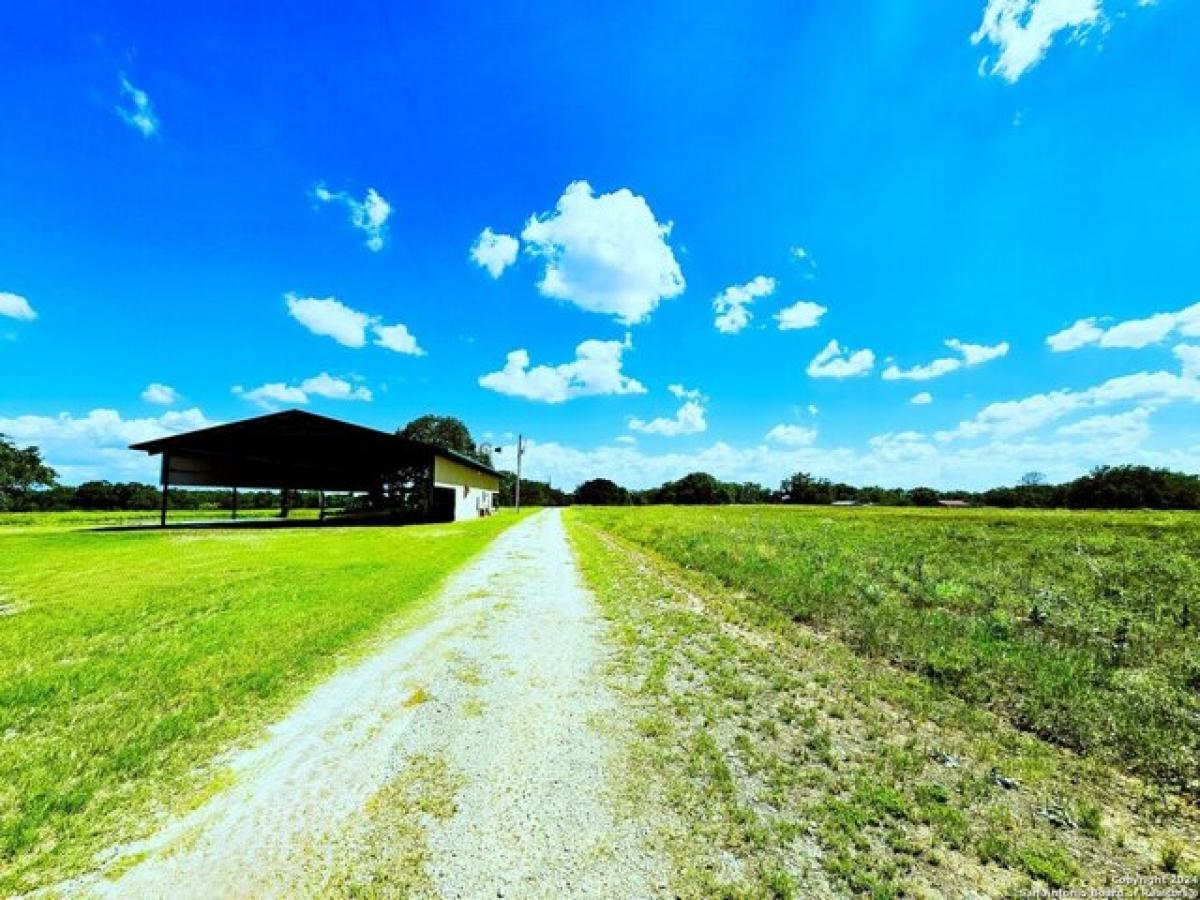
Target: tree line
[[1105, 487]]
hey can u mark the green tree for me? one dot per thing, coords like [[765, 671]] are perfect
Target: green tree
[[22, 472], [446, 432], [601, 492]]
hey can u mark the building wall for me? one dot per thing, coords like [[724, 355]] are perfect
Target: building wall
[[475, 492]]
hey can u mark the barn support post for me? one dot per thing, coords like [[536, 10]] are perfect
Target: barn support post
[[233, 504], [283, 502], [321, 506], [166, 487]]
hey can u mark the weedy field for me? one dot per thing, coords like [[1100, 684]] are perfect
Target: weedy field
[[906, 702], [130, 660]]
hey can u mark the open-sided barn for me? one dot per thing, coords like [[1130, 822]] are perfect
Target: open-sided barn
[[296, 450]]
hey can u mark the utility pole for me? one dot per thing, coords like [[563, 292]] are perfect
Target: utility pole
[[520, 453]]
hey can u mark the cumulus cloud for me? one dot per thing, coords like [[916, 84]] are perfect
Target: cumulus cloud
[[369, 215], [595, 370], [137, 111], [605, 254], [1021, 31], [14, 306], [924, 398], [329, 317], [1131, 334], [495, 252], [792, 435], [688, 419], [96, 445], [277, 393], [836, 362], [161, 394], [397, 338], [732, 305], [804, 314], [969, 355]]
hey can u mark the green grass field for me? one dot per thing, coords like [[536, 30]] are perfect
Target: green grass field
[[1079, 627], [781, 761], [129, 660]]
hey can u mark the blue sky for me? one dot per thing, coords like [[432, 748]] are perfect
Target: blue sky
[[217, 210]]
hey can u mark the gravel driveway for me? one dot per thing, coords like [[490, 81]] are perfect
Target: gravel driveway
[[498, 707]]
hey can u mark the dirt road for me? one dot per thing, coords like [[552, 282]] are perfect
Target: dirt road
[[471, 757]]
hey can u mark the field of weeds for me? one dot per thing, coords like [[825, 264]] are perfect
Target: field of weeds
[[1078, 627], [796, 742]]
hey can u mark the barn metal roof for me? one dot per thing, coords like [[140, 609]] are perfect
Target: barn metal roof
[[298, 448]]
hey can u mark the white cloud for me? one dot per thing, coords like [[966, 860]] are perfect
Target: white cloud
[[792, 435], [1189, 359], [606, 254], [398, 338], [369, 215], [836, 362], [1132, 334], [1013, 417], [924, 398], [1082, 333], [688, 419], [812, 409], [803, 314], [96, 445], [139, 115], [329, 317], [805, 258], [495, 252], [975, 354], [678, 390], [1021, 31], [935, 369], [272, 394], [326, 385], [162, 394], [732, 305], [1132, 426], [14, 306], [278, 393], [595, 370], [970, 355]]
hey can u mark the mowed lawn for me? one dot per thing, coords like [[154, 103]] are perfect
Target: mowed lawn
[[1079, 627], [128, 660]]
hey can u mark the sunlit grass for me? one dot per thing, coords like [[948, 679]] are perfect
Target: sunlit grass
[[129, 659], [1080, 627]]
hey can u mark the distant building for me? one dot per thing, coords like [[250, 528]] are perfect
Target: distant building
[[844, 503], [954, 504], [403, 479]]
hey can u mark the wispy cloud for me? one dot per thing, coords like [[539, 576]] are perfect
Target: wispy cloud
[[688, 419], [278, 393], [1131, 334], [732, 305], [369, 215], [1021, 31], [968, 355], [160, 394], [136, 110], [834, 361]]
